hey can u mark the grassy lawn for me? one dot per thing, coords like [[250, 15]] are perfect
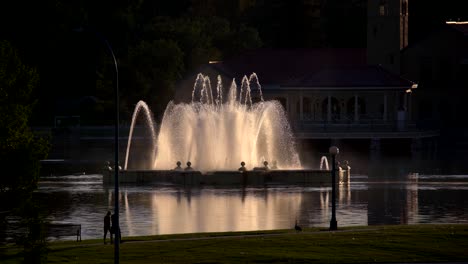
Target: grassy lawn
[[403, 243]]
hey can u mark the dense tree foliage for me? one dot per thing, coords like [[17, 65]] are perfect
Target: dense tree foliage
[[20, 150], [159, 42], [154, 66], [155, 42]]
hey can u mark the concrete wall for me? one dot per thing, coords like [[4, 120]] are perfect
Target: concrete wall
[[196, 178]]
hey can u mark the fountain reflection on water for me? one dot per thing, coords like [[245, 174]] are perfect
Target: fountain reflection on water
[[152, 210], [216, 134]]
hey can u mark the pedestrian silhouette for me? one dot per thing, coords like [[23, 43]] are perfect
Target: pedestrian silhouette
[[107, 226], [115, 229]]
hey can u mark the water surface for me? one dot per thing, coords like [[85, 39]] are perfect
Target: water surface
[[151, 210]]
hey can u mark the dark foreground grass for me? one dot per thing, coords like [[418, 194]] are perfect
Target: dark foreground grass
[[406, 243]]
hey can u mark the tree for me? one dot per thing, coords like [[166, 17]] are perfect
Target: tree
[[20, 150], [73, 66], [169, 48], [154, 67]]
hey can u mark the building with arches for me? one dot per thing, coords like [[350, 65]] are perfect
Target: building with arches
[[331, 95], [337, 94]]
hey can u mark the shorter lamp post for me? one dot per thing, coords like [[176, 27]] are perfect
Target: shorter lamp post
[[333, 152]]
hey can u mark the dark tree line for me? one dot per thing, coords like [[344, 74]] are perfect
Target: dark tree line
[[20, 152], [155, 42], [158, 42]]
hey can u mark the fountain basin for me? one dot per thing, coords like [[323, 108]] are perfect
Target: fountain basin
[[197, 178]]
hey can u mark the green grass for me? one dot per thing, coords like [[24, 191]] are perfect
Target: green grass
[[403, 243]]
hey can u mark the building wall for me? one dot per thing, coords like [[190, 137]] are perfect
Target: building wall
[[439, 64], [387, 32]]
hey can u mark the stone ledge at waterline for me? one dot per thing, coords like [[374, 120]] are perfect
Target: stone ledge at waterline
[[254, 177]]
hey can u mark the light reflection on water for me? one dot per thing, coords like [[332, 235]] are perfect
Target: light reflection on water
[[148, 210]]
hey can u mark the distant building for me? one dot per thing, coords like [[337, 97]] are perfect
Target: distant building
[[323, 86], [328, 94], [393, 89], [387, 32], [439, 64]]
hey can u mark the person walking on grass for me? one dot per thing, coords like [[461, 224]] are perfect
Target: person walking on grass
[[115, 229], [107, 226]]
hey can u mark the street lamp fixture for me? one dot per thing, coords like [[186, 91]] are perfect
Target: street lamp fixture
[[333, 152]]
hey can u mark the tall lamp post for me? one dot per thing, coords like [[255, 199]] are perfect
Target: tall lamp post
[[333, 152], [116, 141]]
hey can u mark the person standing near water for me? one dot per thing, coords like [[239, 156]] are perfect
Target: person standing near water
[[107, 226], [115, 229]]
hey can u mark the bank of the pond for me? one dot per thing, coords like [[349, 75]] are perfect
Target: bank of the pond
[[387, 244]]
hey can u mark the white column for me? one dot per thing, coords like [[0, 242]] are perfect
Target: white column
[[405, 102], [356, 114], [329, 109], [315, 110], [301, 107], [385, 107], [409, 106]]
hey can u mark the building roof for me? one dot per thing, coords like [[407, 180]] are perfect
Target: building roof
[[279, 66], [351, 76], [324, 67], [449, 26]]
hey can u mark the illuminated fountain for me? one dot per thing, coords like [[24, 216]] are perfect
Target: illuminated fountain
[[216, 133], [213, 134], [324, 163]]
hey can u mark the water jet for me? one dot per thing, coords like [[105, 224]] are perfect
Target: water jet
[[214, 134]]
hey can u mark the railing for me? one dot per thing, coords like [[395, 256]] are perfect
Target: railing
[[60, 230], [362, 128], [341, 118], [362, 125], [14, 230]]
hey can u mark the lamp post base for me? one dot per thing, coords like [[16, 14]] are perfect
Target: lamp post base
[[333, 225]]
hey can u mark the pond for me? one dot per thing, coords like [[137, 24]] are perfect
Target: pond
[[150, 210]]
